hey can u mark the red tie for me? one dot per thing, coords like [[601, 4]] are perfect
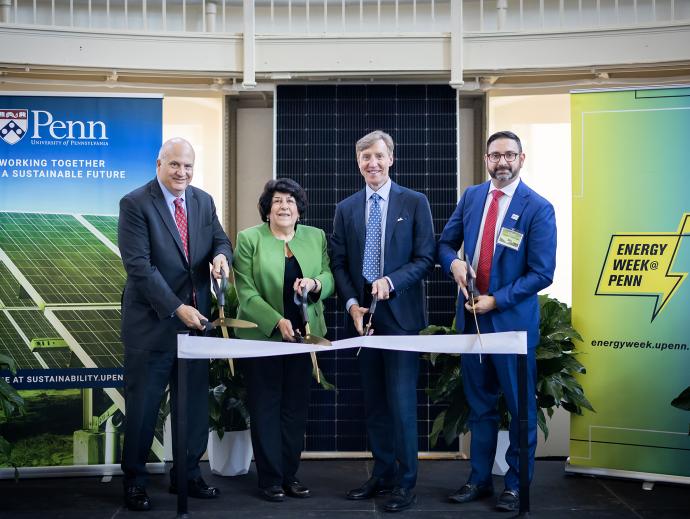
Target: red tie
[[486, 252], [181, 221]]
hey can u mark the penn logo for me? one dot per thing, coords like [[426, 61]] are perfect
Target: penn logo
[[14, 124]]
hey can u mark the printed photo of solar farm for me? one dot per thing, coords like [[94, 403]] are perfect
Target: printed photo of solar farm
[[61, 280]]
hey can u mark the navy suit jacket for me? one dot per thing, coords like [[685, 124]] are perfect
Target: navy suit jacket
[[159, 277], [409, 247], [516, 275]]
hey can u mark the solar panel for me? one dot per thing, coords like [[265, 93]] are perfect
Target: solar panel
[[14, 346], [97, 332], [61, 259], [35, 326], [105, 224], [12, 294], [316, 130]]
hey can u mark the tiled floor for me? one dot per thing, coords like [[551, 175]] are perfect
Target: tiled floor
[[553, 495]]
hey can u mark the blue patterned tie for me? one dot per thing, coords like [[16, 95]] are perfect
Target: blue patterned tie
[[372, 246]]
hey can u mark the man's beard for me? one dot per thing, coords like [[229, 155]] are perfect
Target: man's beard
[[503, 174]]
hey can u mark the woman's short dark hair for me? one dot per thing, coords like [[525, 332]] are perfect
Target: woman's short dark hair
[[281, 185]]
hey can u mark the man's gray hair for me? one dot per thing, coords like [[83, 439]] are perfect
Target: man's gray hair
[[371, 138]]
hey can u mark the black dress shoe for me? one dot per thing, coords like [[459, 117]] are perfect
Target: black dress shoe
[[470, 492], [372, 487], [508, 501], [274, 493], [136, 498], [296, 489], [197, 488], [401, 498]]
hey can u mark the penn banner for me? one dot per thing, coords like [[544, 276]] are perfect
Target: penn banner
[[65, 162], [631, 295]]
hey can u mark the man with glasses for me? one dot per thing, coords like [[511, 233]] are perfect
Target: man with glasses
[[509, 236]]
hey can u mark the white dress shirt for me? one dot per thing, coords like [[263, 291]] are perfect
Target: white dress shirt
[[503, 203]]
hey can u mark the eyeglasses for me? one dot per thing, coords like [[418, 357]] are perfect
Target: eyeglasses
[[510, 156]]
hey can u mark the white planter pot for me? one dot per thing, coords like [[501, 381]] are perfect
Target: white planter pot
[[231, 455], [500, 465]]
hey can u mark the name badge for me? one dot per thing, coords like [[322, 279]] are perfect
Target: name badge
[[510, 238]]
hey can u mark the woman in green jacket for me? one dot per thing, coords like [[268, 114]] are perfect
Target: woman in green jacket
[[273, 263]]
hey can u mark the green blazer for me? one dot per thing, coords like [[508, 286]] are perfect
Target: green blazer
[[259, 265]]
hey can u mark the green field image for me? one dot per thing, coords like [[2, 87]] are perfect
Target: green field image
[[105, 224], [62, 259], [43, 436]]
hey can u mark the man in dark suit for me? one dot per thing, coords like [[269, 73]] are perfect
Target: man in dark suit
[[168, 235], [509, 231], [382, 247]]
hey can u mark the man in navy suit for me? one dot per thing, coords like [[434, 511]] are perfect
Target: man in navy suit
[[382, 247], [509, 232], [169, 236]]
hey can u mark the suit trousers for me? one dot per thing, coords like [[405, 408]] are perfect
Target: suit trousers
[[483, 383], [147, 373], [389, 385], [278, 398]]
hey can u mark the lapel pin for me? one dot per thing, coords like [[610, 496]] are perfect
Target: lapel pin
[[400, 219], [515, 216]]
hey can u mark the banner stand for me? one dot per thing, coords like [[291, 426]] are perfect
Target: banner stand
[[647, 477], [74, 471]]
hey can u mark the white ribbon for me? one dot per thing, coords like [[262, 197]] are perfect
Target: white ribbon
[[194, 347]]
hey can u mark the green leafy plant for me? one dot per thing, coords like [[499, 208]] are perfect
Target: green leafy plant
[[557, 366], [227, 399], [227, 392], [11, 404]]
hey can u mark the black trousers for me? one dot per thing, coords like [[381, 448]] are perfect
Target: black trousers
[[147, 373], [278, 397]]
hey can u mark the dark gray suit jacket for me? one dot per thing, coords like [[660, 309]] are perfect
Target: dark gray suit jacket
[[159, 277]]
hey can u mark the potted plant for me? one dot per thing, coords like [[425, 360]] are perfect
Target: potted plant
[[556, 368], [229, 440]]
